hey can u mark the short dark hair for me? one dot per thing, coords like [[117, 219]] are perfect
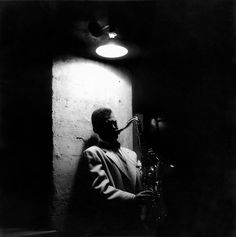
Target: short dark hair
[[98, 117]]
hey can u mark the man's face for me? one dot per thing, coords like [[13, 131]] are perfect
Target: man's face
[[109, 129]]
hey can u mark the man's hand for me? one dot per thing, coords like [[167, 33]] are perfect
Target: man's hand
[[144, 197]]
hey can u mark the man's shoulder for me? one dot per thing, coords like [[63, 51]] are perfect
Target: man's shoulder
[[93, 152], [93, 149]]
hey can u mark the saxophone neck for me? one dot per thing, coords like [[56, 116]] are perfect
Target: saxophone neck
[[129, 122]]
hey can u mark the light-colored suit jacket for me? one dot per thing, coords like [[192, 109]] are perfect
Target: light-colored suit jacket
[[108, 183], [115, 175]]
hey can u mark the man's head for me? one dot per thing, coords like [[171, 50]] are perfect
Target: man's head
[[105, 124]]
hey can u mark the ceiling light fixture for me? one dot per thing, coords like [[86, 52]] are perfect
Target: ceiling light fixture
[[111, 50], [109, 47]]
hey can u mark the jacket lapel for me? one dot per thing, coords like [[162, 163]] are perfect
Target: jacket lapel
[[115, 159], [130, 172], [131, 166]]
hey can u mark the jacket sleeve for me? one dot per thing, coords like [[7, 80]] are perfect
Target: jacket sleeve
[[100, 182]]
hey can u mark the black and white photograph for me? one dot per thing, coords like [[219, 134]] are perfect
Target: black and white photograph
[[117, 118]]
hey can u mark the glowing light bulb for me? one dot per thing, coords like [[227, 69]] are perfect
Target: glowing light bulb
[[111, 50]]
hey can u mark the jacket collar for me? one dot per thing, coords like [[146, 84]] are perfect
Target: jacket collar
[[115, 146]]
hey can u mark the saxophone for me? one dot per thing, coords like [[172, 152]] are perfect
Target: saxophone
[[154, 214]]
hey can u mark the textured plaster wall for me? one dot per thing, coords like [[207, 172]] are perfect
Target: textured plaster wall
[[79, 87]]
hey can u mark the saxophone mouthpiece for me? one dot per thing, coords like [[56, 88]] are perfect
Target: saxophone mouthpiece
[[119, 131]]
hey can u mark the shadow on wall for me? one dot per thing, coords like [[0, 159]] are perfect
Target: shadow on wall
[[72, 219]]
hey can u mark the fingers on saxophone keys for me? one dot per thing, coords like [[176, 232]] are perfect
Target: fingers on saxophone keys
[[149, 196], [145, 196], [147, 192]]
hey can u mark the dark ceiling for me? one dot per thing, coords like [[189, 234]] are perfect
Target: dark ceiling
[[155, 30], [158, 30]]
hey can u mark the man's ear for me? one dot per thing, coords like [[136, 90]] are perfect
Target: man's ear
[[96, 130], [99, 129]]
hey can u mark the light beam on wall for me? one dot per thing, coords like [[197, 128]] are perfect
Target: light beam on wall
[[79, 87]]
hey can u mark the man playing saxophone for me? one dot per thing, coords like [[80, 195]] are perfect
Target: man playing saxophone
[[110, 189]]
